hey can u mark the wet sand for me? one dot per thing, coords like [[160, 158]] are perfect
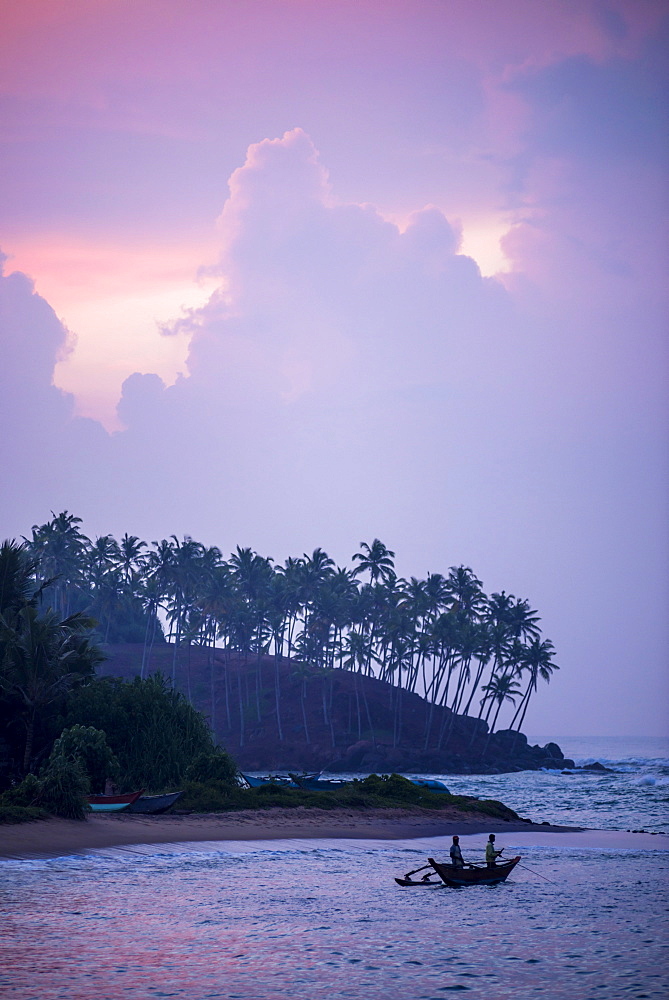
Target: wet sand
[[59, 837], [53, 837]]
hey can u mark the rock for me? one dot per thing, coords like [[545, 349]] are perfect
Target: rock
[[597, 767], [354, 754]]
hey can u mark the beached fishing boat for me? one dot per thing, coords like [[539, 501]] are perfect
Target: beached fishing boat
[[431, 784], [255, 781], [315, 783], [154, 804], [470, 875], [113, 803]]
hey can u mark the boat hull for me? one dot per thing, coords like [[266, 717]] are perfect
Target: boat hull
[[272, 780], [153, 805], [451, 875], [430, 785], [421, 882], [113, 803]]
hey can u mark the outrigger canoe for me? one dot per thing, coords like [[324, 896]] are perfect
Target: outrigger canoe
[[470, 875], [113, 803]]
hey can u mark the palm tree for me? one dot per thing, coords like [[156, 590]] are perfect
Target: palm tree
[[61, 551], [537, 658], [501, 689], [17, 577], [130, 551], [43, 657], [375, 559]]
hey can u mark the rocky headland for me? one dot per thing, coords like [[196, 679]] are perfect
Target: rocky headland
[[286, 716]]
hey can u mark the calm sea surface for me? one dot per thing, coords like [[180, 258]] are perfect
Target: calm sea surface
[[324, 919]]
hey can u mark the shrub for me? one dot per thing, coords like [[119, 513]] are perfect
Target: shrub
[[89, 747], [26, 794], [64, 788], [392, 786], [21, 814], [209, 796], [154, 731], [217, 765]]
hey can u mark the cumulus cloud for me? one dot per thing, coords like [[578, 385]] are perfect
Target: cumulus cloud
[[46, 456], [349, 380], [336, 356]]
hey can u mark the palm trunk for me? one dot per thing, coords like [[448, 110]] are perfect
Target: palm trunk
[[241, 708], [277, 690], [212, 685], [30, 735], [304, 711]]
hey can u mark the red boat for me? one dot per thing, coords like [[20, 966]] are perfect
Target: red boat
[[113, 803]]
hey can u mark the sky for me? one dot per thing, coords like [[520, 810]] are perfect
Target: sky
[[290, 274]]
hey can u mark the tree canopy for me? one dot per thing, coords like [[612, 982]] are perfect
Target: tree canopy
[[441, 637]]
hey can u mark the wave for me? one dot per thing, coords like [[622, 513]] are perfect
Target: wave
[[658, 781]]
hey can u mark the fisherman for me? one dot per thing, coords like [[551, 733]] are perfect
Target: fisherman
[[456, 854], [491, 854]]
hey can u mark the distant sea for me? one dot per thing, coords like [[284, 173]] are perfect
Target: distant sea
[[633, 796], [324, 920]]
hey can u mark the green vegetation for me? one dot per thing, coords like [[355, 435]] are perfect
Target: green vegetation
[[43, 657], [60, 790], [154, 732], [21, 814], [373, 792], [65, 731], [213, 766], [87, 729], [89, 748], [64, 788], [441, 637]]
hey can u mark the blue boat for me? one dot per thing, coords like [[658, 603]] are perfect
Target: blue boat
[[282, 780], [431, 784], [314, 782]]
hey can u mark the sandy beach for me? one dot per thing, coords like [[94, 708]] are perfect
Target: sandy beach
[[58, 837], [53, 837]]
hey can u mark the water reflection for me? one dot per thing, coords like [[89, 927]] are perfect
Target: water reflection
[[324, 920]]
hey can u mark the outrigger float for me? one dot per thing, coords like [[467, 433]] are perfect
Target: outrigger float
[[455, 876]]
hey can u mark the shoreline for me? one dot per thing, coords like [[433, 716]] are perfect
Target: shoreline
[[57, 837], [53, 838]]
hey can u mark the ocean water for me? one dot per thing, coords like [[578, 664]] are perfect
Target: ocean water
[[322, 919], [310, 920], [634, 796]]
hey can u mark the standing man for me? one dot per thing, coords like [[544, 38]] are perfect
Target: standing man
[[456, 854], [491, 854]]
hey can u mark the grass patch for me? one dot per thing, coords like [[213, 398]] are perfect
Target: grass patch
[[374, 792], [21, 814]]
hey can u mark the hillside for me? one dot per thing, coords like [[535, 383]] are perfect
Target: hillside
[[278, 715]]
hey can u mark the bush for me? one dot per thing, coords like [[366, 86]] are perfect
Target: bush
[[26, 794], [21, 814], [89, 747], [154, 731], [393, 786], [210, 796], [64, 788], [215, 766]]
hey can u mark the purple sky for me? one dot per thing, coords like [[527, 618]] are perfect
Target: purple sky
[[354, 270]]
